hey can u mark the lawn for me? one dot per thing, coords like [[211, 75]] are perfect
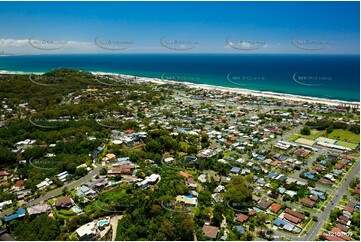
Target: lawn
[[347, 144], [344, 135], [64, 214], [314, 134]]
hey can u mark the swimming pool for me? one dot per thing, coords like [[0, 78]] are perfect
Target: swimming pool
[[103, 222]]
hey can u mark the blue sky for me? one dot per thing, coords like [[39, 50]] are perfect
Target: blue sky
[[180, 27]]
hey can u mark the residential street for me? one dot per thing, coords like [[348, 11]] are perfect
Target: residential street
[[314, 230], [57, 191]]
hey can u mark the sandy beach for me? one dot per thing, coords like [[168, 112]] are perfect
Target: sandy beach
[[282, 96]]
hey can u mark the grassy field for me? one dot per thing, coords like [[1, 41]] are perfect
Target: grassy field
[[64, 214], [314, 134], [344, 135], [347, 144]]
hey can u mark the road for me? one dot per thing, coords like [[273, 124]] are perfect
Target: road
[[57, 191], [339, 193]]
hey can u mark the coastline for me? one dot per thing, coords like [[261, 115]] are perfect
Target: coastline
[[282, 96]]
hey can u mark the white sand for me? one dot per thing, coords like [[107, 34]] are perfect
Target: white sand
[[289, 97]]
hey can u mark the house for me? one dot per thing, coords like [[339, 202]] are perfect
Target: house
[[292, 218], [123, 169], [349, 209], [4, 173], [5, 204], [219, 188], [217, 197], [23, 193], [62, 176], [185, 175], [169, 160], [210, 232], [251, 212], [241, 218], [64, 202], [148, 180], [332, 238], [235, 170], [264, 204], [18, 185], [308, 202], [38, 209], [339, 233], [302, 152], [110, 157], [325, 181], [202, 178], [283, 224], [187, 200], [255, 198], [339, 165], [275, 207], [309, 175], [88, 231], [18, 214], [342, 227], [295, 214], [47, 182], [85, 191], [190, 159], [240, 229]]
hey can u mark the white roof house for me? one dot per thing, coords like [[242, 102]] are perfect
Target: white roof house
[[87, 230], [169, 160]]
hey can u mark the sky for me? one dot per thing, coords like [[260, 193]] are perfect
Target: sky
[[180, 27]]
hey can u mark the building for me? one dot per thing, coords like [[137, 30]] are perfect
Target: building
[[264, 204], [47, 182], [38, 209], [148, 180], [187, 200], [241, 218], [210, 232], [85, 191], [18, 214], [308, 202], [275, 207], [64, 202], [295, 214], [88, 231]]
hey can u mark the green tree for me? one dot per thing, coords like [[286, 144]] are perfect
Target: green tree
[[305, 131]]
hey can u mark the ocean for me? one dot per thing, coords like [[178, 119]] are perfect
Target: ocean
[[322, 76]]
